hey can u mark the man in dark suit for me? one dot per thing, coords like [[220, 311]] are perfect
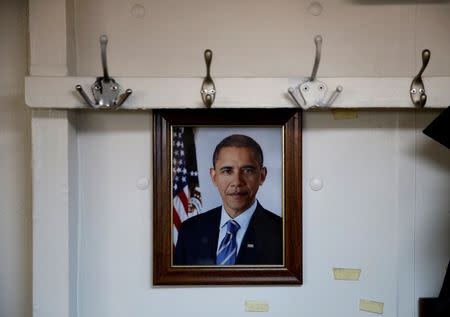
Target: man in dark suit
[[240, 231]]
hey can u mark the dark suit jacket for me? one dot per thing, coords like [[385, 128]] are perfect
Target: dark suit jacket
[[262, 243]]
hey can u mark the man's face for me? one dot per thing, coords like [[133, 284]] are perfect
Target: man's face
[[237, 175]]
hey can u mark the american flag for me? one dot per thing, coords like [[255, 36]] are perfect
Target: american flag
[[187, 200]]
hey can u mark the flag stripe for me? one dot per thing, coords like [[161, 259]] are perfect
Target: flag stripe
[[174, 236], [176, 219], [179, 207], [185, 192], [184, 201]]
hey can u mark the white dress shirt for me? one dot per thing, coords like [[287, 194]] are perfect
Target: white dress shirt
[[243, 220]]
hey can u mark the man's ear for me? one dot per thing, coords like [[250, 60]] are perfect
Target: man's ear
[[263, 175], [212, 173]]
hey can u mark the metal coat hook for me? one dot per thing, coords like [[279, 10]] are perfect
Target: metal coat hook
[[312, 92], [208, 89], [417, 89], [105, 89]]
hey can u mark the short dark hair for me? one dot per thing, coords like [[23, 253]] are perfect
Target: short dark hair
[[239, 140]]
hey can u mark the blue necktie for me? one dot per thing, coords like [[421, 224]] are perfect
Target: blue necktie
[[228, 247]]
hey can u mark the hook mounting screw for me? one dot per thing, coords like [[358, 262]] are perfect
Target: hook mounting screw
[[312, 92], [417, 89], [105, 89], [208, 89]]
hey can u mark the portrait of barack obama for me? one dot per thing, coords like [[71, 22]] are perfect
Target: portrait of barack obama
[[240, 231]]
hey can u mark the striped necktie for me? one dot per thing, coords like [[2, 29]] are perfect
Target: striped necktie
[[228, 247]]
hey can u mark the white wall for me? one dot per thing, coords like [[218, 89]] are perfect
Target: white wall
[[374, 168], [263, 38], [378, 170], [15, 210], [384, 207]]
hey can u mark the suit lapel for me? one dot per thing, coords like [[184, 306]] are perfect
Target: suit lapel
[[248, 250], [213, 234]]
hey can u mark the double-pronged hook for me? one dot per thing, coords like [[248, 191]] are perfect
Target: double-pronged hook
[[312, 92], [417, 89], [105, 89]]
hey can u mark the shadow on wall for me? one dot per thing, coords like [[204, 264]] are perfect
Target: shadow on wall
[[434, 153]]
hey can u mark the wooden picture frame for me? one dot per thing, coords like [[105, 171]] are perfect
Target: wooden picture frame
[[290, 272]]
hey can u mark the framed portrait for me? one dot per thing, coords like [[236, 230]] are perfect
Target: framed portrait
[[227, 197]]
